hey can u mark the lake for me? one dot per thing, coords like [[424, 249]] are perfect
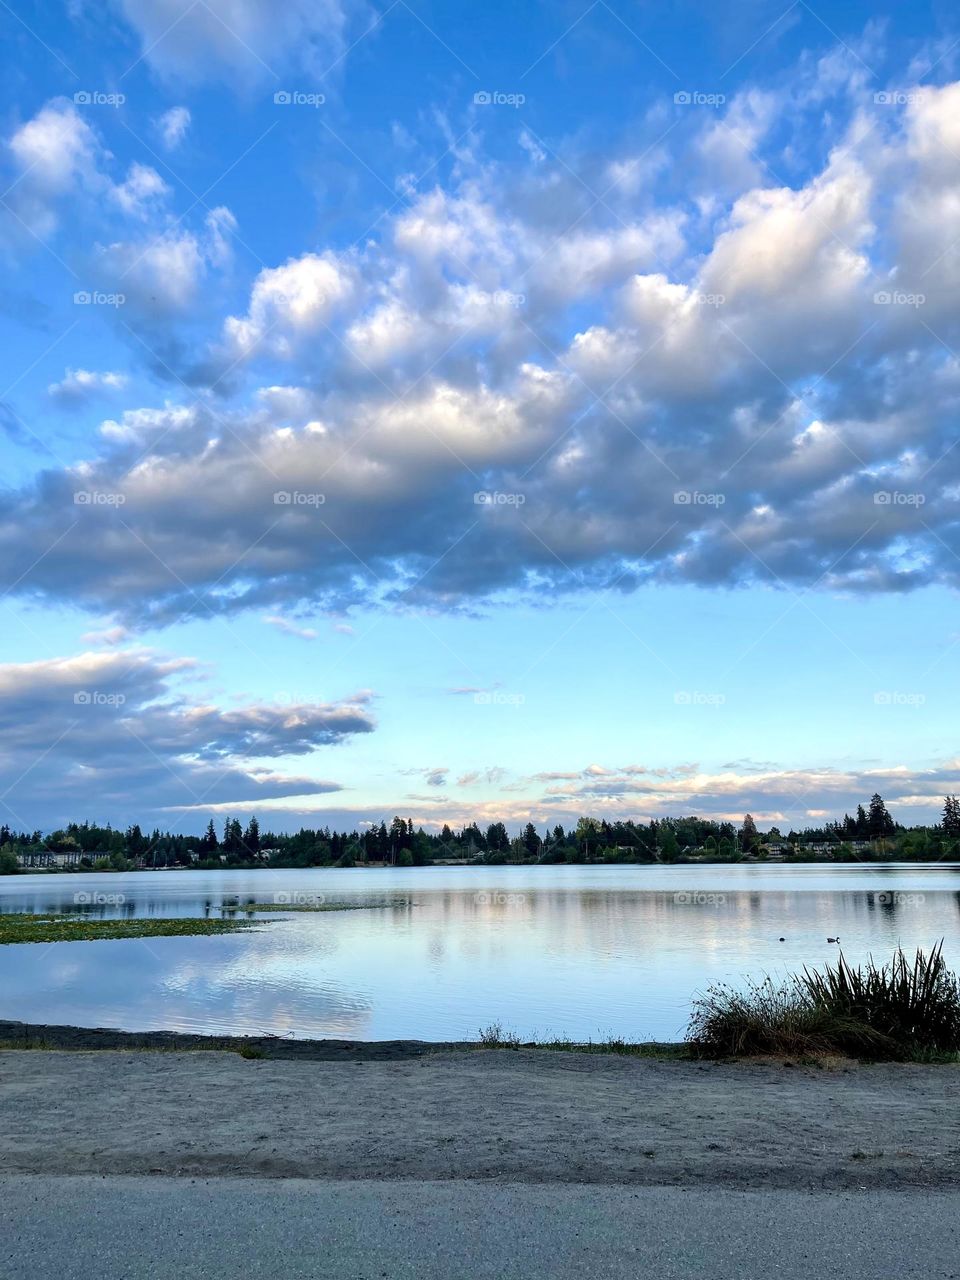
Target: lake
[[576, 951]]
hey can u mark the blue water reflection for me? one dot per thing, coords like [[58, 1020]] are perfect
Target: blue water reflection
[[578, 951]]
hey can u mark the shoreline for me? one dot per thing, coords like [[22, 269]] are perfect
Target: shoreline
[[53, 1037], [813, 861], [41, 1037]]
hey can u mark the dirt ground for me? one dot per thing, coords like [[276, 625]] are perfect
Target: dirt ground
[[519, 1116]]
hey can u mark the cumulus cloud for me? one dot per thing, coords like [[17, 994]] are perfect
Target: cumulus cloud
[[160, 273], [120, 231], [109, 731], [142, 188], [52, 155], [56, 147], [487, 401], [289, 304], [77, 386]]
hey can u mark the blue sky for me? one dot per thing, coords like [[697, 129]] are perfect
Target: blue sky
[[496, 411]]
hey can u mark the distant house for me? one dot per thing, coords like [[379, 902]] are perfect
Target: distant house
[[48, 858]]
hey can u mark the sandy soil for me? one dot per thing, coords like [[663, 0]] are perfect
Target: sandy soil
[[528, 1115]]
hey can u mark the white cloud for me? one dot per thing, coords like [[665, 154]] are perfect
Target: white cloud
[[56, 147], [142, 188], [485, 400], [236, 39], [173, 126], [79, 385], [291, 628], [290, 303]]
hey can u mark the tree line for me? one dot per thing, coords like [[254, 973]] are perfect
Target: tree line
[[402, 844]]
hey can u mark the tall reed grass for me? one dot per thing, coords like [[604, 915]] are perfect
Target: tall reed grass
[[902, 1010]]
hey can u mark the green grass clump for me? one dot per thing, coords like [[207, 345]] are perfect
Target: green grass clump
[[18, 927], [902, 1011], [495, 1037]]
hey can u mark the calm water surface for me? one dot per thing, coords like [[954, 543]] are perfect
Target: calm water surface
[[577, 951]]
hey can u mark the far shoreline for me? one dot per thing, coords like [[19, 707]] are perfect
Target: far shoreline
[[76, 869]]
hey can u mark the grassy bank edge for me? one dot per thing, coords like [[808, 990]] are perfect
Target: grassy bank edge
[[21, 1035]]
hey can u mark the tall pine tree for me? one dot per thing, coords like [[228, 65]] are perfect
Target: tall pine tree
[[879, 822], [951, 817]]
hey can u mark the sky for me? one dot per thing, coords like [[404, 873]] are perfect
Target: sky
[[507, 411]]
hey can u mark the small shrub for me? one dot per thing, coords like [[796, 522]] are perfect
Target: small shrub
[[769, 1019], [494, 1037]]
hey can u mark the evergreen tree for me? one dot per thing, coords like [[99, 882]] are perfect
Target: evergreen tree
[[951, 817], [749, 836], [497, 839], [251, 837], [232, 838], [879, 822]]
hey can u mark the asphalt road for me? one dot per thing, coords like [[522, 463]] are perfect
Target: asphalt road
[[124, 1228]]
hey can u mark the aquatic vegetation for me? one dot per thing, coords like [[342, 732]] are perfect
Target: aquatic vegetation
[[18, 927]]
